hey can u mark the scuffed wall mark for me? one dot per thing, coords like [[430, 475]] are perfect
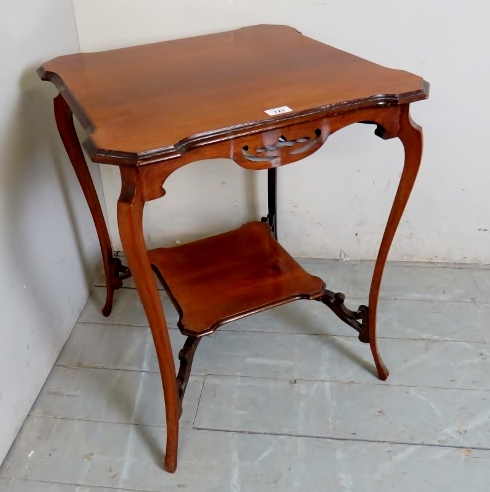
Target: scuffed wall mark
[[343, 256], [63, 393]]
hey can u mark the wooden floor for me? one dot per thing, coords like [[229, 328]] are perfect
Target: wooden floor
[[267, 412]]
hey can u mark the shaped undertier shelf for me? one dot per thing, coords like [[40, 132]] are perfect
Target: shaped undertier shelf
[[229, 276]]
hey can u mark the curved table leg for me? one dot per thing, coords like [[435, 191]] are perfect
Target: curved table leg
[[130, 220], [410, 135], [115, 272]]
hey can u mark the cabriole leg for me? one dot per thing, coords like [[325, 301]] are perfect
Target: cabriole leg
[[115, 272], [130, 220], [410, 135]]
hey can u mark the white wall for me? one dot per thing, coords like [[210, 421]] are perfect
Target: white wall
[[338, 199], [48, 246]]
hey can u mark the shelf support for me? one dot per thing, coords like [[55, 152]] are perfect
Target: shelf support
[[359, 320], [271, 218], [186, 357]]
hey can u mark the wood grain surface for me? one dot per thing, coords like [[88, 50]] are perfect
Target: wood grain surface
[[229, 276]]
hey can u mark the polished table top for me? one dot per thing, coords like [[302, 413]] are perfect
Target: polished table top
[[158, 100]]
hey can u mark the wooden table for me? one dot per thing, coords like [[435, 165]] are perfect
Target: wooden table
[[263, 96]]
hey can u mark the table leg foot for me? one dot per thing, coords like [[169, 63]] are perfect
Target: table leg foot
[[114, 281], [170, 464], [381, 368], [109, 298]]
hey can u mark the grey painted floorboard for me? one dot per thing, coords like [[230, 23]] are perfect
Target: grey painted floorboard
[[127, 309], [429, 363], [285, 400], [424, 362], [400, 281], [124, 347], [107, 395], [482, 279], [128, 457], [457, 321], [345, 411], [14, 485]]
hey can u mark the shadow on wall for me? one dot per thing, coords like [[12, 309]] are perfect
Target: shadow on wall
[[40, 231]]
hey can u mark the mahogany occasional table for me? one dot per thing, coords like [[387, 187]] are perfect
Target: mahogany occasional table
[[263, 96]]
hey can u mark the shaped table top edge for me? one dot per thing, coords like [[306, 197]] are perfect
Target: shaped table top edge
[[170, 152]]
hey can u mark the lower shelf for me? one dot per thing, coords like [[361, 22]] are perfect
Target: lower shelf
[[229, 276]]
